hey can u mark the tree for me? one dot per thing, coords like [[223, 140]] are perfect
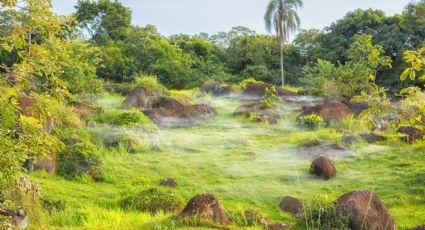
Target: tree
[[282, 16]]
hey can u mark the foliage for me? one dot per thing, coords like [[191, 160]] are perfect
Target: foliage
[[78, 159], [351, 78], [320, 213], [134, 117], [379, 107], [150, 84], [153, 200], [242, 85], [270, 99], [312, 121], [416, 61], [411, 109]]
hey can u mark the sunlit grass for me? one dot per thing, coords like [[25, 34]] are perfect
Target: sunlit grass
[[247, 166]]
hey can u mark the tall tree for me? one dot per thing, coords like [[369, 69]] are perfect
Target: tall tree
[[281, 15]]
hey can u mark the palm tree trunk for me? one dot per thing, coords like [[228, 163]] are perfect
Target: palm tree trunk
[[281, 64]]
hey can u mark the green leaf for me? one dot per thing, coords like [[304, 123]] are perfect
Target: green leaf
[[404, 75], [412, 75]]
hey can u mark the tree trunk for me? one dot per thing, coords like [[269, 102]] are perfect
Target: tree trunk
[[281, 65]]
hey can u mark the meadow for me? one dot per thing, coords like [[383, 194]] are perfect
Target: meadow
[[248, 166]]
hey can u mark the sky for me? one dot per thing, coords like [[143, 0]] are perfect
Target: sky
[[212, 16]]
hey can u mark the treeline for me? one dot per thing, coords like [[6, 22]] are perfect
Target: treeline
[[119, 51]]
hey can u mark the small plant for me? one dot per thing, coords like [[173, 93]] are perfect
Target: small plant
[[153, 201], [244, 83], [270, 99], [150, 84], [320, 213], [131, 118], [312, 121]]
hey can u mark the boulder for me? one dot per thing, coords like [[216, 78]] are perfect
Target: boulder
[[169, 182], [247, 109], [292, 205], [223, 90], [19, 219], [210, 87], [49, 124], [47, 164], [323, 167], [26, 105], [164, 102], [180, 117], [85, 110], [365, 211], [138, 98], [216, 89], [359, 107], [411, 133], [418, 228], [259, 90], [329, 111], [372, 137], [349, 139], [206, 206]]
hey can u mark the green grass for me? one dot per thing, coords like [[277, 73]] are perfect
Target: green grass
[[248, 166]]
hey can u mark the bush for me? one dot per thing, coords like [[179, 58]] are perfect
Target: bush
[[270, 99], [131, 118], [79, 159], [150, 84], [153, 201], [322, 214], [312, 121], [244, 83]]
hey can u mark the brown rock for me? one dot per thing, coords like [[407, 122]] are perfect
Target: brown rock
[[211, 87], [19, 219], [26, 105], [181, 117], [247, 109], [136, 99], [292, 205], [163, 102], [85, 110], [329, 111], [411, 133], [323, 167], [372, 137], [169, 182], [223, 90], [418, 228], [47, 164], [349, 139], [365, 211], [359, 107], [206, 206]]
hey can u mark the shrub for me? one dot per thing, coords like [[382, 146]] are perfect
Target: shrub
[[150, 84], [312, 121], [79, 159], [153, 201], [320, 213], [244, 83], [131, 118], [270, 99]]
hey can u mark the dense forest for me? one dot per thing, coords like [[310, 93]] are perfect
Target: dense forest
[[95, 112]]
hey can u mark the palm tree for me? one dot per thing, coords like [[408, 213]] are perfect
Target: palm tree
[[281, 16]]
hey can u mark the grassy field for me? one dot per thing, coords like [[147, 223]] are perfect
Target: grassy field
[[246, 165]]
